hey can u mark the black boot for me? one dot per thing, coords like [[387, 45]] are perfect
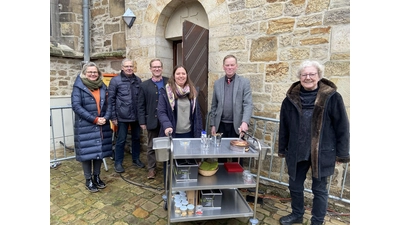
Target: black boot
[[290, 219], [99, 183], [91, 186]]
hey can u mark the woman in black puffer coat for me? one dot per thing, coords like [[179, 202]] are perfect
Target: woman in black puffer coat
[[92, 131]]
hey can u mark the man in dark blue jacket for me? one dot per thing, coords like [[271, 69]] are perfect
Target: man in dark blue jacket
[[123, 96], [147, 110]]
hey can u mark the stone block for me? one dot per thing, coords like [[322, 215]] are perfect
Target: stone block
[[320, 52], [294, 54], [314, 41], [232, 43], [110, 28], [314, 6], [308, 21], [340, 39], [294, 8], [279, 92], [116, 8], [335, 68], [277, 72], [264, 49], [335, 17], [280, 25], [320, 30], [118, 41], [67, 17]]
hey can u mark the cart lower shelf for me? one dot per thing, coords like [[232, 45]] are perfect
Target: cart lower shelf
[[233, 205]]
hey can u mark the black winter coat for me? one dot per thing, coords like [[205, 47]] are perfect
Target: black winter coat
[[330, 131], [148, 103], [167, 116], [91, 140], [122, 102]]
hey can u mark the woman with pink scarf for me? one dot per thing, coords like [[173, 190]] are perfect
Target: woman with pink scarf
[[178, 109]]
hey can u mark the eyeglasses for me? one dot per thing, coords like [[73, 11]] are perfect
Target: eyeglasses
[[128, 66], [156, 67], [311, 75], [92, 72]]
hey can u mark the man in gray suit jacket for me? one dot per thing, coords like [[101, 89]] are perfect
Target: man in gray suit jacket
[[232, 102]]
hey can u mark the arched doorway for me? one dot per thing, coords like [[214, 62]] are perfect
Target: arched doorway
[[187, 29]]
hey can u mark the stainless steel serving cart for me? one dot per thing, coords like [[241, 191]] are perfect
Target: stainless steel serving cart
[[233, 204]]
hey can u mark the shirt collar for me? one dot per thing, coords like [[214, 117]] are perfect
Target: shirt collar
[[232, 78]]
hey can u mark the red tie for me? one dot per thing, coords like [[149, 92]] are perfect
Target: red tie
[[229, 80]]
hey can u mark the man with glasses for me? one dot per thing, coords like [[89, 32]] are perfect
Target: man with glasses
[[123, 99], [147, 110]]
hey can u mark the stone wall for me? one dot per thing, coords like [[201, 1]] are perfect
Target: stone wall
[[270, 39], [107, 41]]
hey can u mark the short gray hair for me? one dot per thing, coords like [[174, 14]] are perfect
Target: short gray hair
[[126, 60], [315, 64]]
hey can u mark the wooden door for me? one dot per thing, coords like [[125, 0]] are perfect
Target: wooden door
[[195, 59]]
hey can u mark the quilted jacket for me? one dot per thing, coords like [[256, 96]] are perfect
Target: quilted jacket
[[91, 140], [123, 96]]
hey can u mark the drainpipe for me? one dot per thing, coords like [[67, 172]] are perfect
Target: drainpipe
[[86, 35]]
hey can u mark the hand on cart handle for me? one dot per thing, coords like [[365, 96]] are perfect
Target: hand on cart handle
[[243, 127], [243, 134], [168, 131]]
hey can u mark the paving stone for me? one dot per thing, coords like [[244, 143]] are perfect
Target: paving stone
[[130, 198], [140, 213], [149, 206]]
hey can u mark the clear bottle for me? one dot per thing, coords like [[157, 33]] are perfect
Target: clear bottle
[[203, 138]]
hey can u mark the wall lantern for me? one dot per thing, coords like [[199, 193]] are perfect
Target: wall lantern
[[129, 17]]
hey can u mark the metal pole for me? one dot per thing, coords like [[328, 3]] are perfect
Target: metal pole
[[86, 34]]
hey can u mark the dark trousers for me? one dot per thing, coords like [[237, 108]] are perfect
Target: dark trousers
[[228, 131], [91, 167], [122, 132], [151, 155], [320, 200], [185, 135]]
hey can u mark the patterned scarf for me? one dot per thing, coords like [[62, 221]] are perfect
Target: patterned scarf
[[181, 92]]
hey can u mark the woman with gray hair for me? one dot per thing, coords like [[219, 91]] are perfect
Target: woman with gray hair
[[314, 132], [92, 131]]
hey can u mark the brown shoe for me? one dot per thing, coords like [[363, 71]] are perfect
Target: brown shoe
[[151, 174]]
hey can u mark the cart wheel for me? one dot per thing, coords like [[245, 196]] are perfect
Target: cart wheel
[[165, 206], [253, 221]]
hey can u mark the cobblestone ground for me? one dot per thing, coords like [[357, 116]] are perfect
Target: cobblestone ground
[[130, 198]]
